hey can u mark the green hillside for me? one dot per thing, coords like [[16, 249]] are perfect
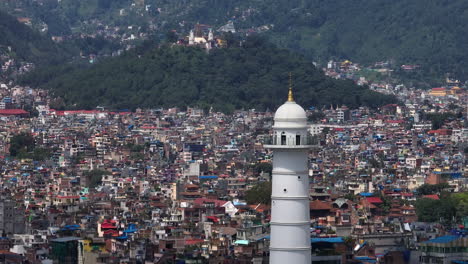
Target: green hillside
[[27, 44], [22, 43], [431, 33], [426, 32], [251, 76]]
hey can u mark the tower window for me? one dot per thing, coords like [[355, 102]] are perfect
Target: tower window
[[298, 139], [284, 190], [283, 139]]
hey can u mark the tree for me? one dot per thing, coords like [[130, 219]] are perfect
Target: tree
[[439, 119], [316, 116], [21, 144], [349, 242], [40, 154], [426, 189], [461, 204], [325, 130], [386, 204], [350, 197], [265, 167], [430, 210], [57, 104], [171, 36], [230, 39], [260, 193], [95, 177]]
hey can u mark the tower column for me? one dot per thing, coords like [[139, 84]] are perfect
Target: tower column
[[290, 212]]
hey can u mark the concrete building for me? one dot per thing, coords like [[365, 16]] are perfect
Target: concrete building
[[444, 250], [11, 218], [315, 129], [290, 217]]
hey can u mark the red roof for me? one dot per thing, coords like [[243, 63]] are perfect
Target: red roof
[[440, 131], [193, 241], [13, 112], [431, 196], [439, 89], [111, 232], [395, 121], [213, 218], [260, 207], [319, 205], [68, 196], [374, 200], [109, 224]]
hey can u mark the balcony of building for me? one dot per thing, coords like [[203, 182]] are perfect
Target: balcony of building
[[290, 142]]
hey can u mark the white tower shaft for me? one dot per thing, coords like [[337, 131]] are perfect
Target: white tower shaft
[[290, 217]]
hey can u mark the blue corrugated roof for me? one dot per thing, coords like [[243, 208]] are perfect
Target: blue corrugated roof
[[442, 239], [366, 259], [241, 242], [208, 177], [321, 239], [327, 239]]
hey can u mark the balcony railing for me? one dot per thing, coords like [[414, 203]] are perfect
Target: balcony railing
[[290, 142]]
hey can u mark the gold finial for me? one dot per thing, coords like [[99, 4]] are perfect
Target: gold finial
[[290, 93]]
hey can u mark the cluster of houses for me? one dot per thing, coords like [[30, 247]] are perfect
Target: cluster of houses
[[166, 185]]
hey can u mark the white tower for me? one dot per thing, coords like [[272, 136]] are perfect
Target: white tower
[[290, 216], [210, 35], [191, 38]]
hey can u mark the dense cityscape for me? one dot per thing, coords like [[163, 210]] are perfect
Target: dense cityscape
[[104, 159], [160, 185]]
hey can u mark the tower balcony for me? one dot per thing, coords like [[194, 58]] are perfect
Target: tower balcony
[[296, 142]]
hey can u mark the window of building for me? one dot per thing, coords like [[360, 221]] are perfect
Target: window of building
[[283, 139], [298, 139]]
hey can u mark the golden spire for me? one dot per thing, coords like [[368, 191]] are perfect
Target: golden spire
[[290, 93]]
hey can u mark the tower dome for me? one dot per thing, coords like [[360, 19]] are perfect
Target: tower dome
[[290, 111], [290, 114]]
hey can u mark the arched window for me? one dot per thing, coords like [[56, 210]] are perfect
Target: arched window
[[283, 138], [298, 139]]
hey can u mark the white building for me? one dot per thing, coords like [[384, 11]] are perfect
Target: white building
[[290, 217], [315, 129], [459, 135]]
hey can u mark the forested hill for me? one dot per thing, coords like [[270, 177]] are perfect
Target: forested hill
[[22, 43], [252, 76], [431, 33], [26, 44]]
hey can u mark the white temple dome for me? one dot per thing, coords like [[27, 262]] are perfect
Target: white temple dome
[[290, 111]]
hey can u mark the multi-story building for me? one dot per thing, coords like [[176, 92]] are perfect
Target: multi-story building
[[11, 218], [444, 250]]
